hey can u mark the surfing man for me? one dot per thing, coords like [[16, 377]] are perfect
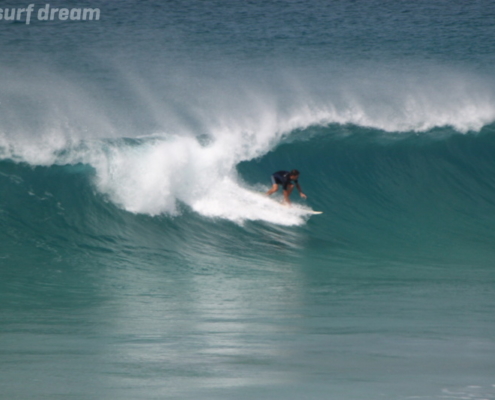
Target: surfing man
[[285, 178]]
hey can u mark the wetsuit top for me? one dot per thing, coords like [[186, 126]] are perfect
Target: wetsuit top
[[282, 178]]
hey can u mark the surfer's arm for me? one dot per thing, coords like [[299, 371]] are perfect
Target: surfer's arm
[[300, 191]]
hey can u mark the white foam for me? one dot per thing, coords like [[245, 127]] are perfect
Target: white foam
[[158, 175], [229, 201]]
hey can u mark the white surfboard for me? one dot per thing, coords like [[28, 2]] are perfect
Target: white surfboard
[[285, 205]]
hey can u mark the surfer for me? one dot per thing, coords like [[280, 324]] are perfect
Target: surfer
[[285, 178]]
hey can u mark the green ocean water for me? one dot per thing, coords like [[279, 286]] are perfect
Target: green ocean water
[[137, 258]]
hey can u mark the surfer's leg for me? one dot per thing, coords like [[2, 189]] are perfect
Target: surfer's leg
[[272, 190], [287, 193]]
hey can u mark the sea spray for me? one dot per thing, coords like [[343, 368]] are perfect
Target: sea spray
[[183, 150]]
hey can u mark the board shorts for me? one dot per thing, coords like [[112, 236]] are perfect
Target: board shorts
[[277, 180]]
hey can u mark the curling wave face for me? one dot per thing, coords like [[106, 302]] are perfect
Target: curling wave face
[[184, 145]]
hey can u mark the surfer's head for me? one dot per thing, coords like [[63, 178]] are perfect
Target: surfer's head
[[294, 174]]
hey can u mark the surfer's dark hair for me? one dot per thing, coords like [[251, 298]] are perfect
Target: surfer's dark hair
[[294, 172]]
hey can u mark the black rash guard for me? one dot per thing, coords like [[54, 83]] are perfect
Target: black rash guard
[[282, 178]]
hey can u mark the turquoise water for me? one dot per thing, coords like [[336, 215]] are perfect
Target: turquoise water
[[137, 258]]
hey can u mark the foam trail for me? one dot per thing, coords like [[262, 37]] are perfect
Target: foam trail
[[158, 174], [229, 201]]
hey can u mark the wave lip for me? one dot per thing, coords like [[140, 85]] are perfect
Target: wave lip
[[191, 142]]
